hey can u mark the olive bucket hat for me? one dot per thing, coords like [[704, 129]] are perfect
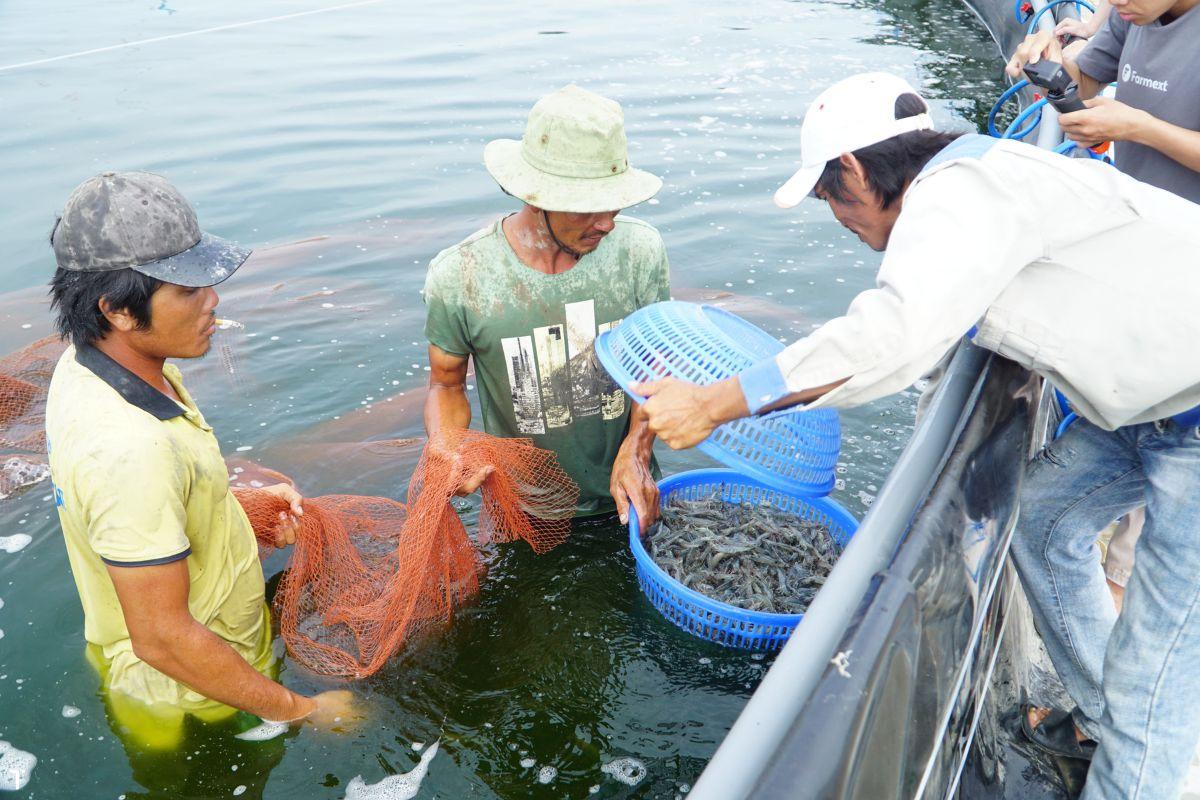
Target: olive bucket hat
[[139, 221], [573, 157]]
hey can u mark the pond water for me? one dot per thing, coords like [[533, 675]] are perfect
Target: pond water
[[346, 146]]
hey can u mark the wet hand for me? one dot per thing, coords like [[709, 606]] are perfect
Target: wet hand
[[1104, 120], [1043, 44], [289, 521], [334, 710], [632, 484], [441, 449], [676, 411]]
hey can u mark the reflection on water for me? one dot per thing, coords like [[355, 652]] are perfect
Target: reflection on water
[[347, 148]]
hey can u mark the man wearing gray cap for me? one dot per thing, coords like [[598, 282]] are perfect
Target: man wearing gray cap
[[525, 298], [163, 555]]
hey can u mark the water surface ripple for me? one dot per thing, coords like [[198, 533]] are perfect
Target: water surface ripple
[[347, 147]]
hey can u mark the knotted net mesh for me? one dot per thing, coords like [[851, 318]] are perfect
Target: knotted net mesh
[[368, 574], [24, 379]]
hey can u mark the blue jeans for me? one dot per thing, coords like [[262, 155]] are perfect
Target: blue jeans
[[1135, 678]]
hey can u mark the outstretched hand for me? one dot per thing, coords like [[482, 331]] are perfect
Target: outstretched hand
[[676, 411]]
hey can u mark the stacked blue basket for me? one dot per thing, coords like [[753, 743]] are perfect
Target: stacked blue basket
[[795, 450], [786, 458]]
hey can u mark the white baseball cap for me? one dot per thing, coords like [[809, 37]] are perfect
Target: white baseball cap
[[853, 113]]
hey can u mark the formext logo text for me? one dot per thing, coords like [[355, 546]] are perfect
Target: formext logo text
[[1129, 74]]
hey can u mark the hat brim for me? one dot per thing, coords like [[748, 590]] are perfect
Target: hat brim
[[556, 193], [798, 186], [206, 263]]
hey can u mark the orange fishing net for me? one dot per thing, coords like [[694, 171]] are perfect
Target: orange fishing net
[[24, 379], [367, 574]]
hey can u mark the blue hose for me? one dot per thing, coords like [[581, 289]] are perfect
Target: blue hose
[[1033, 20], [1004, 98], [1012, 131], [1066, 423]]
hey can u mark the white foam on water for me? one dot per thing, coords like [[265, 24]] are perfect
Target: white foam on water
[[71, 712], [626, 770], [527, 763], [547, 774], [16, 767], [15, 543], [261, 733], [394, 787]]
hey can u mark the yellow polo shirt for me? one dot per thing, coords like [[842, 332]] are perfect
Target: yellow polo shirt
[[139, 480]]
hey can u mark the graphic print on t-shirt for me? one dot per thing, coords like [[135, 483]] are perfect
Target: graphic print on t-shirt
[[554, 376]]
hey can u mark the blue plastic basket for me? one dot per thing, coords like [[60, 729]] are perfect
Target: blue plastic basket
[[710, 619], [795, 450]]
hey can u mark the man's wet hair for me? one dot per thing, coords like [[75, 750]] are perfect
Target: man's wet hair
[[889, 165], [75, 298]]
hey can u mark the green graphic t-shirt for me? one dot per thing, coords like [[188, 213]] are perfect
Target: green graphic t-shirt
[[530, 335]]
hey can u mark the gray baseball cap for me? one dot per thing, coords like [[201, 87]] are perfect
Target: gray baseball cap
[[139, 221]]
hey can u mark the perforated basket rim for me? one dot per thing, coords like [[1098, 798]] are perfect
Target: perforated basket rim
[[667, 486]]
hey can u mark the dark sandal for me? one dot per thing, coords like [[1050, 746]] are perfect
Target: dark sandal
[[1073, 772], [1056, 735]]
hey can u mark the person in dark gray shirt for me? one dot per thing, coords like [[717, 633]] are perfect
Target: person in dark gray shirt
[[1151, 48]]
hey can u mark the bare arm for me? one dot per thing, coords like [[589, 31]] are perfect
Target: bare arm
[[631, 482], [683, 414], [1181, 144], [447, 406], [164, 634]]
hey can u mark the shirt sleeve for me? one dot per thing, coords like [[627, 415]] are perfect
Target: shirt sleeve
[[961, 238], [135, 500], [445, 325], [1101, 59]]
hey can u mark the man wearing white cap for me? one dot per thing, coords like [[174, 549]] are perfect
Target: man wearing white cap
[[1079, 273], [526, 296]]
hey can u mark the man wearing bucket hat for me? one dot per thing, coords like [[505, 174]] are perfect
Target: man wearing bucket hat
[[963, 220], [525, 298], [164, 558]]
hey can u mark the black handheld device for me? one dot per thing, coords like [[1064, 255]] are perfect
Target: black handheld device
[[1060, 90]]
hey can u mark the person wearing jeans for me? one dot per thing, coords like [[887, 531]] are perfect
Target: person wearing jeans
[[1125, 673], [1102, 304]]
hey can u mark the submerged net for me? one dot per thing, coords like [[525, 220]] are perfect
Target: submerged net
[[24, 379], [368, 574]]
